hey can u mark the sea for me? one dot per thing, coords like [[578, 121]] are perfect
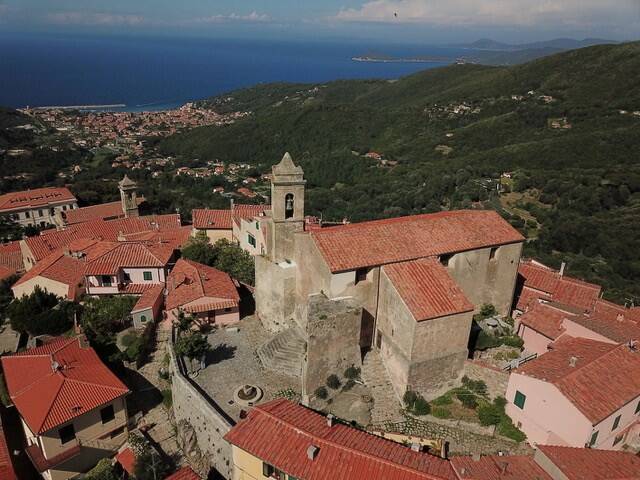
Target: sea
[[158, 73]]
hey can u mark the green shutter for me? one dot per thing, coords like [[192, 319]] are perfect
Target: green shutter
[[519, 400], [147, 276], [594, 438], [616, 422]]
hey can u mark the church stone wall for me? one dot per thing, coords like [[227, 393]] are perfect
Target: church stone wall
[[275, 293], [333, 333], [485, 280]]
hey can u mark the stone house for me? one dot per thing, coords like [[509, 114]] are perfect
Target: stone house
[[37, 207], [581, 393], [72, 407], [205, 292], [405, 286]]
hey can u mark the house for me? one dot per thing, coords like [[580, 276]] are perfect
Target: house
[[283, 440], [127, 268], [495, 467], [72, 407], [37, 207], [581, 393], [205, 292], [7, 472], [247, 228], [11, 259], [216, 224], [149, 306], [401, 288], [184, 473], [247, 192], [568, 463]]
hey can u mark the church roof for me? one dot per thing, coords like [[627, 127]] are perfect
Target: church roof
[[287, 167], [127, 182]]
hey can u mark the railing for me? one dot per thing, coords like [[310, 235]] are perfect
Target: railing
[[513, 364]]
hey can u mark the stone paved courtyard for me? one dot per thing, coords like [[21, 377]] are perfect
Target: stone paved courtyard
[[234, 363]]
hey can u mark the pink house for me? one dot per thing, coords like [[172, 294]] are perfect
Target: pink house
[[205, 292], [581, 393]]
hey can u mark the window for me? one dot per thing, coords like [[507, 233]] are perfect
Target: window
[[617, 440], [594, 438], [64, 208], [288, 206], [638, 408], [143, 318], [67, 434], [444, 260], [272, 472], [107, 414], [117, 432], [228, 309], [519, 400], [147, 276], [106, 280], [251, 239], [52, 211], [127, 277], [39, 213], [361, 275], [492, 253], [616, 422], [257, 225], [27, 214]]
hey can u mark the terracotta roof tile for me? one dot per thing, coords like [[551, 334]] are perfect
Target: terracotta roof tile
[[605, 376], [47, 397], [280, 432], [240, 211], [212, 219], [6, 465], [149, 298], [516, 467], [103, 211], [190, 281], [620, 331], [117, 255], [545, 319], [528, 297], [127, 459], [427, 289], [185, 473], [611, 311], [380, 242], [38, 197], [11, 256], [593, 464]]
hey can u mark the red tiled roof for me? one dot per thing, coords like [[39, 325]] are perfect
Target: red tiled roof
[[427, 289], [117, 255], [109, 230], [185, 473], [516, 467], [46, 397], [528, 297], [6, 465], [58, 267], [562, 289], [11, 256], [611, 311], [38, 197], [280, 433], [42, 464], [127, 459], [6, 272], [175, 237], [605, 376], [212, 219], [620, 331], [380, 242], [545, 319], [593, 464], [240, 211], [104, 211], [190, 281], [148, 298]]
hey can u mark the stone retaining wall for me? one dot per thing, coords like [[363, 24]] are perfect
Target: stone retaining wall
[[192, 406], [496, 380]]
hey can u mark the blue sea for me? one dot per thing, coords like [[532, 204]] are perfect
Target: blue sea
[[146, 73]]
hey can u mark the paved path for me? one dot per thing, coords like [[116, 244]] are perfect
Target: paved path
[[386, 406]]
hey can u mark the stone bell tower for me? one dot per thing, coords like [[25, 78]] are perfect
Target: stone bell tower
[[128, 196], [287, 209]]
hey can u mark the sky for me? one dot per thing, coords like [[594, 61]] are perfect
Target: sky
[[399, 21]]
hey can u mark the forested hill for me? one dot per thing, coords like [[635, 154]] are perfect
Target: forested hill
[[564, 125]]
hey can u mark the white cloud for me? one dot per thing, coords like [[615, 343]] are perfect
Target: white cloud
[[494, 12], [96, 19], [234, 17]]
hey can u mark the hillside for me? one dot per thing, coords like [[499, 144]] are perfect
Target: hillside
[[447, 135]]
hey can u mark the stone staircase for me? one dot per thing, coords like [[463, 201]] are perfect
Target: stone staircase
[[284, 352], [386, 406]]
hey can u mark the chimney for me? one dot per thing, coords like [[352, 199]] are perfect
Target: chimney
[[563, 265], [475, 457], [416, 447], [67, 251], [330, 420], [620, 317], [312, 452], [573, 361]]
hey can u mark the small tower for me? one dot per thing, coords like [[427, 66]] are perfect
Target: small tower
[[128, 196], [287, 208]]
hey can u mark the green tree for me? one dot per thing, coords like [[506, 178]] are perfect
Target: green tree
[[231, 258], [193, 345], [199, 249], [6, 296], [104, 470], [41, 313]]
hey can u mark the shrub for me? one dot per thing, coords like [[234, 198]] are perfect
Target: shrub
[[443, 400], [421, 406], [349, 385], [167, 399], [321, 393], [486, 341], [352, 373], [507, 429], [441, 412], [487, 310], [409, 398], [500, 402], [478, 386], [193, 345], [489, 414], [103, 470], [512, 341], [467, 398], [333, 381]]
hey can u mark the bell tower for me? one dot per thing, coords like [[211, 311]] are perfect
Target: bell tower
[[287, 208], [128, 197]]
